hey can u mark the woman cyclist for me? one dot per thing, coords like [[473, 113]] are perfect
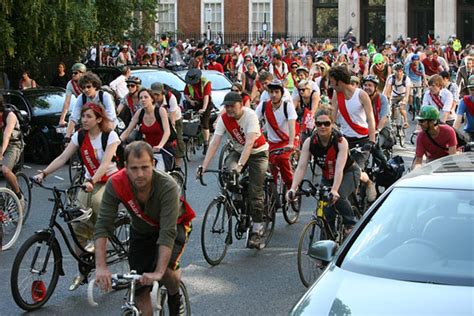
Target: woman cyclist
[[331, 153], [306, 106], [130, 104], [154, 126], [237, 87], [90, 142]]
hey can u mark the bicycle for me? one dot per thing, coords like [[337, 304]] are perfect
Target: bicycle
[[397, 122], [317, 229], [24, 185], [11, 218], [192, 135], [175, 172], [291, 210], [158, 295], [40, 257], [415, 107], [230, 203]]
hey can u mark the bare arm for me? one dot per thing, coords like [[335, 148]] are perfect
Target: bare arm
[[335, 107], [302, 165], [315, 102], [131, 126], [458, 122], [367, 104], [62, 118], [291, 134], [211, 151], [161, 266], [166, 128], [62, 159], [340, 163], [7, 133], [110, 151], [102, 274], [452, 150]]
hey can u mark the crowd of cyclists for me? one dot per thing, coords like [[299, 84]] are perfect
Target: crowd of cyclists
[[331, 104]]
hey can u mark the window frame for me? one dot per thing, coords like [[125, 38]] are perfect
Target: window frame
[[269, 31], [203, 17], [317, 4], [158, 30]]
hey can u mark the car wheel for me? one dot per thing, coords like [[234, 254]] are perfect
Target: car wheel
[[40, 151]]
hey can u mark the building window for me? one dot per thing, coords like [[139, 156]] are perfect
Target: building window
[[372, 21], [261, 17], [212, 17], [325, 18], [166, 17]]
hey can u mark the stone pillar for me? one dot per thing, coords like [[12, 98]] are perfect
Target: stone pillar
[[396, 13], [349, 16], [300, 17], [445, 18]]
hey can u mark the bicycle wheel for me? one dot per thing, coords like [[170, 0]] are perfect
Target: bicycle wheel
[[117, 249], [185, 308], [11, 218], [179, 178], [289, 213], [310, 269], [401, 135], [216, 229], [75, 167], [269, 212], [25, 189], [224, 152], [35, 271]]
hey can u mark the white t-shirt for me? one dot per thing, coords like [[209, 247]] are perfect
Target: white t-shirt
[[120, 86], [356, 112], [286, 97], [281, 121], [447, 99], [109, 105], [70, 89], [248, 123], [173, 106], [399, 89], [98, 151]]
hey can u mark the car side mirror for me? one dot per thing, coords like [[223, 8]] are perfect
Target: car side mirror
[[323, 250]]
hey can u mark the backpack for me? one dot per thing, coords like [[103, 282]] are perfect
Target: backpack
[[175, 92], [404, 81], [285, 109], [119, 154], [173, 135], [23, 121], [101, 97]]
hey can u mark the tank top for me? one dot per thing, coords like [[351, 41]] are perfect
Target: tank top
[[357, 115], [152, 134], [303, 106]]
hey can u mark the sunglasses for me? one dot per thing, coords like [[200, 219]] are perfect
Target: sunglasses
[[75, 72], [422, 120], [87, 86], [325, 123], [131, 85], [302, 90], [294, 67], [235, 90]]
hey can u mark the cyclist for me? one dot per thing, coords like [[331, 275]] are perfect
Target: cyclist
[[72, 88], [130, 104], [168, 100], [280, 118], [306, 106], [198, 95], [435, 140], [353, 108], [416, 72], [463, 74], [396, 89], [159, 226], [466, 107], [90, 85], [250, 149], [153, 124], [441, 97], [12, 148], [381, 69], [381, 110], [213, 64], [278, 68], [249, 78], [331, 153], [97, 159]]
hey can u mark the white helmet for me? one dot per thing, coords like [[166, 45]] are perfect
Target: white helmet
[[77, 214]]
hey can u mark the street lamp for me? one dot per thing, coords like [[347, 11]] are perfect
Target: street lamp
[[208, 19], [265, 26]]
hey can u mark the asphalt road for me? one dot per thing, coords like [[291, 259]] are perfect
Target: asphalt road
[[247, 282]]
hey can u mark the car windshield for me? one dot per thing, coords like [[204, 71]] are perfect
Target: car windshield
[[51, 103], [219, 82], [419, 235], [149, 77]]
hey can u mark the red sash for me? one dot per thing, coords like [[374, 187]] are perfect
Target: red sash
[[271, 119], [277, 72], [437, 100], [233, 129], [380, 73], [341, 102], [469, 104], [75, 88], [89, 158], [414, 69], [361, 67], [376, 107], [124, 192], [130, 104]]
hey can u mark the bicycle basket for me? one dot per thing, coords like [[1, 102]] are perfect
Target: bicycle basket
[[389, 138], [390, 174], [191, 127]]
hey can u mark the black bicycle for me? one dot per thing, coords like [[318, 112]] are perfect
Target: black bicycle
[[39, 262], [231, 202]]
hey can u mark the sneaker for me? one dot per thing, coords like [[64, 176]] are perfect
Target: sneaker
[[204, 150], [22, 203], [76, 282], [370, 191], [255, 241], [90, 247]]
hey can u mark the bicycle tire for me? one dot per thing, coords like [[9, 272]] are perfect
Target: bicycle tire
[[401, 135], [413, 138], [75, 167], [11, 218], [269, 212], [37, 287], [130, 311], [288, 208], [310, 269], [25, 189], [186, 303], [220, 165], [179, 179], [209, 229], [122, 236]]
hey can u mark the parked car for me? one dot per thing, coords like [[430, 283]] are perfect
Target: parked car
[[220, 85], [411, 254], [43, 107]]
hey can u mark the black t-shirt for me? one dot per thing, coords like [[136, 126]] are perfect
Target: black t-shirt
[[60, 81]]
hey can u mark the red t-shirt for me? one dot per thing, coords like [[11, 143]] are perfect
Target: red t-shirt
[[431, 68], [197, 91], [446, 138], [218, 67]]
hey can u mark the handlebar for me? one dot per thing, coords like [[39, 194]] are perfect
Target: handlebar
[[233, 173], [279, 151], [55, 189], [317, 191], [132, 276]]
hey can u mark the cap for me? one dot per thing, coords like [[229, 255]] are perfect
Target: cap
[[193, 76], [231, 98], [157, 87]]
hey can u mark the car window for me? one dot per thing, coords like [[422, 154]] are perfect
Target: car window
[[17, 101], [148, 77], [420, 235], [219, 82], [51, 103]]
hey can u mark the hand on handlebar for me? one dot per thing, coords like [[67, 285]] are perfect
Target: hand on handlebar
[[149, 278], [290, 195], [368, 146], [103, 279], [39, 177], [199, 172], [334, 196]]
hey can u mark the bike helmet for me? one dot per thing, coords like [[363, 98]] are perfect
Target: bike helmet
[[398, 66], [415, 57], [77, 214], [378, 59], [276, 84], [302, 68], [193, 76], [211, 57], [79, 67], [134, 79], [428, 112], [371, 78]]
